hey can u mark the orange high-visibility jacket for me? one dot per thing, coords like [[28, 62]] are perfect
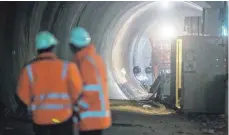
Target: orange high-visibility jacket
[[49, 86], [95, 92]]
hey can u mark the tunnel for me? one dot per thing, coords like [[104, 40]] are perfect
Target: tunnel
[[120, 31]]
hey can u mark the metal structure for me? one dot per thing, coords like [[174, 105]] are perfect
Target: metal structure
[[200, 67], [161, 52]]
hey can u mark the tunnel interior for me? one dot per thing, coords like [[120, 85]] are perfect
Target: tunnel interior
[[122, 32]]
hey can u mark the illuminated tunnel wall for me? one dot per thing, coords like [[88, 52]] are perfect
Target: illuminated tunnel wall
[[114, 27]]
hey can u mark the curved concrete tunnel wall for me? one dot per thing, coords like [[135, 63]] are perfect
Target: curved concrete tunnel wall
[[113, 27], [22, 20]]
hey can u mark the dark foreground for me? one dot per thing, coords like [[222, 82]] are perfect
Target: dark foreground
[[130, 123]]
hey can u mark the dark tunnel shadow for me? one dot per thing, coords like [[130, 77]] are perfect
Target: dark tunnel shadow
[[25, 128]]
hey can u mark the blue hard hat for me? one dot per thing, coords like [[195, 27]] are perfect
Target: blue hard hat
[[45, 40], [79, 37]]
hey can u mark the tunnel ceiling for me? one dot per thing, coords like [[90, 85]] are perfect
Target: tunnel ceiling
[[112, 25], [208, 4]]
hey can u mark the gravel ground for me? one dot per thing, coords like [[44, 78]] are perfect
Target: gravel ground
[[133, 123], [130, 123], [154, 118]]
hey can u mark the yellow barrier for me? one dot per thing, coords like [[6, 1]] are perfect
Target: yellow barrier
[[178, 70]]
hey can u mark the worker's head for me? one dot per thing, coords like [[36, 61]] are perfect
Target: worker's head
[[45, 42], [79, 38]]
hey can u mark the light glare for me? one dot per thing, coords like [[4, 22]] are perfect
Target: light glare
[[165, 4], [168, 32]]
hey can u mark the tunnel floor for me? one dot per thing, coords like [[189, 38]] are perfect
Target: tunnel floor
[[136, 123]]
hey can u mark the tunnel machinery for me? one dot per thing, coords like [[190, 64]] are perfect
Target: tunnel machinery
[[117, 28], [198, 64]]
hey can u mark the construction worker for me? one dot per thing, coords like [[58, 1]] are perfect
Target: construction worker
[[49, 86], [97, 117]]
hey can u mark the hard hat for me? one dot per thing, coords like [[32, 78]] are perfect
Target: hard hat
[[45, 40], [79, 37]]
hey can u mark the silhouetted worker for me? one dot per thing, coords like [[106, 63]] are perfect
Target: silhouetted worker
[[49, 86], [93, 72]]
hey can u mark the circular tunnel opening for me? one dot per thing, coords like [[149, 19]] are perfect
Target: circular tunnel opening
[[138, 43]]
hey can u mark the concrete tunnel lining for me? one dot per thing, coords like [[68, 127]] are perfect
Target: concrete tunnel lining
[[138, 27], [104, 20], [58, 17]]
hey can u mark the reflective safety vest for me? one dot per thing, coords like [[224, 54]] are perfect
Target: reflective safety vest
[[95, 92], [49, 88]]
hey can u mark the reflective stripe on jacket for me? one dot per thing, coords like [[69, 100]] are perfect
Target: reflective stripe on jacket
[[95, 93], [49, 88]]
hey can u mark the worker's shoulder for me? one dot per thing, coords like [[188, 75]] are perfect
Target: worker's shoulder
[[95, 57], [92, 60], [53, 61], [70, 63]]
